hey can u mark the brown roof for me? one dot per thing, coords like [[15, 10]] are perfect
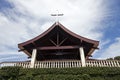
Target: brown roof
[[82, 39]]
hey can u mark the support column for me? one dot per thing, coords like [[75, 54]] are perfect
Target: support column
[[33, 58], [82, 56]]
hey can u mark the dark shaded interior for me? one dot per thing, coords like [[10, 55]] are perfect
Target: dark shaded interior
[[58, 55]]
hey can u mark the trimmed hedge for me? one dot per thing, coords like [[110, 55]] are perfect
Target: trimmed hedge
[[82, 73]]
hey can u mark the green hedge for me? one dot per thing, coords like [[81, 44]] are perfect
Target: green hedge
[[83, 73]]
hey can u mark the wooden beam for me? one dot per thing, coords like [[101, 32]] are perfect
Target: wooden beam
[[62, 41], [34, 44], [57, 38], [21, 50], [95, 47], [53, 47], [53, 42], [62, 53], [57, 47]]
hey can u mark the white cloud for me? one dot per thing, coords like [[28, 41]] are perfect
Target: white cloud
[[80, 16], [112, 51], [12, 57], [33, 17]]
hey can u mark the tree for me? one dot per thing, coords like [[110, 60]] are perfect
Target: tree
[[117, 58], [109, 58]]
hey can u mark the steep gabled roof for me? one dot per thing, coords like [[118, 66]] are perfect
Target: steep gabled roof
[[95, 43]]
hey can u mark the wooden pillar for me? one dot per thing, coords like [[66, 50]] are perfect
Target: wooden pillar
[[33, 58], [82, 56]]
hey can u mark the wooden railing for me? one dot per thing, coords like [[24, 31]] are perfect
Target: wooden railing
[[22, 64], [103, 63], [64, 64], [57, 64]]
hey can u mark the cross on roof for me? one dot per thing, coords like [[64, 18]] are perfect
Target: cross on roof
[[57, 15]]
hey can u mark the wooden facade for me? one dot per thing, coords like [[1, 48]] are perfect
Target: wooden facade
[[58, 43]]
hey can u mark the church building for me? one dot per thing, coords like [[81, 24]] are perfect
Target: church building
[[58, 43], [59, 47]]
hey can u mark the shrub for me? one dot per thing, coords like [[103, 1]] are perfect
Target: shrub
[[10, 73], [82, 73]]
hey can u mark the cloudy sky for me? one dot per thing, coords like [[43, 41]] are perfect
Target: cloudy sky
[[21, 20]]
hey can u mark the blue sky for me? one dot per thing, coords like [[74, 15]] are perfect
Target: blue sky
[[21, 20]]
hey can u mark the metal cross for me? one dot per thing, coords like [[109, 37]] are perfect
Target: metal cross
[[57, 15]]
